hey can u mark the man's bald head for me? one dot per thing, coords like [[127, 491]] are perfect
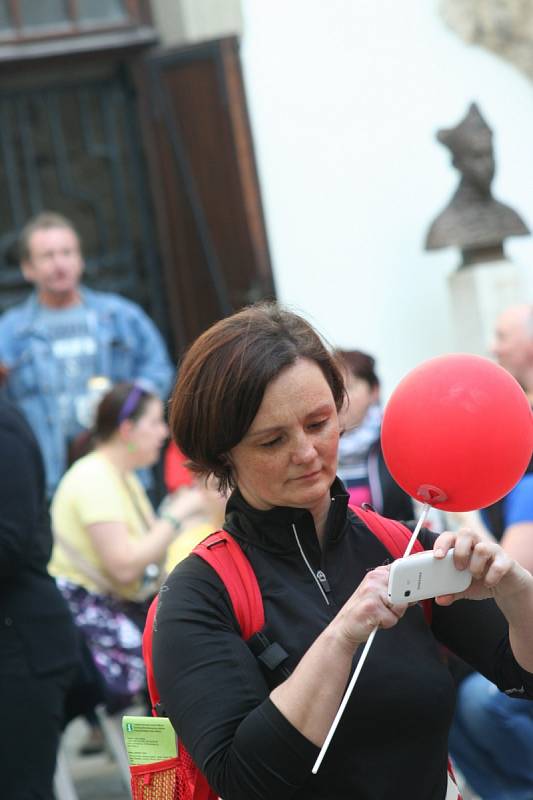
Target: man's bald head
[[513, 343]]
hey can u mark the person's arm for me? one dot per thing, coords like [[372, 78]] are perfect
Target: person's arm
[[305, 699], [479, 634], [152, 363], [124, 558], [495, 575]]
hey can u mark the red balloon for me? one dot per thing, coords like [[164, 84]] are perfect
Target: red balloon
[[457, 432]]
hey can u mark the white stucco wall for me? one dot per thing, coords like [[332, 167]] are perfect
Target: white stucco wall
[[186, 21], [345, 97]]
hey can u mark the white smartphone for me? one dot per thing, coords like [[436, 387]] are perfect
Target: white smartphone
[[421, 575]]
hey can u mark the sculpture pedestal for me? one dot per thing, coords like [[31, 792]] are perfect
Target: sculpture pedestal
[[478, 294]]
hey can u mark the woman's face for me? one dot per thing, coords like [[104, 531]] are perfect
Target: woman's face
[[288, 457], [147, 434]]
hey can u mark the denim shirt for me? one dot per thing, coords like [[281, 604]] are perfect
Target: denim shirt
[[129, 347]]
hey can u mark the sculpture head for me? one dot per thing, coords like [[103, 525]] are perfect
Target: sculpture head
[[470, 143], [473, 220]]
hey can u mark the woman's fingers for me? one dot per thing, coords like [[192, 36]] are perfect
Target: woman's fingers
[[369, 608], [480, 560], [470, 551], [489, 564], [447, 599], [443, 543], [375, 604]]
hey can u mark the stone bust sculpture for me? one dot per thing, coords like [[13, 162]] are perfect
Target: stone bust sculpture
[[473, 220]]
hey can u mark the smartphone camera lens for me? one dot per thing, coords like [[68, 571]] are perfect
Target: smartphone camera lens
[[407, 593]]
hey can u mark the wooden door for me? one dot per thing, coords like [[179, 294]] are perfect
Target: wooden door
[[204, 184]]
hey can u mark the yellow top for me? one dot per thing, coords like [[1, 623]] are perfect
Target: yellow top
[[93, 490], [185, 542]]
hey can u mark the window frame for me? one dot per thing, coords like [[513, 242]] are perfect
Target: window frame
[[139, 15]]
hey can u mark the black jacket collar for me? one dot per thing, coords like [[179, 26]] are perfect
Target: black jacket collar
[[272, 530]]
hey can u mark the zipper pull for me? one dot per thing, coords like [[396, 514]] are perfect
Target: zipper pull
[[323, 581]]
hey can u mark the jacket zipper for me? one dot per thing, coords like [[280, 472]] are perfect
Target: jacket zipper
[[319, 577]]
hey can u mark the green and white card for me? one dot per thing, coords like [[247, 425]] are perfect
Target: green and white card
[[149, 739]]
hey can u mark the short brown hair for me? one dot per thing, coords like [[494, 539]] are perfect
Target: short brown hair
[[43, 221], [360, 364], [224, 375]]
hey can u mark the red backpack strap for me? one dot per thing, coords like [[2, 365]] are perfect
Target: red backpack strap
[[391, 533], [226, 557], [395, 537], [147, 643]]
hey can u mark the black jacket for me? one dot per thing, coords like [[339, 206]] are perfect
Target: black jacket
[[29, 598], [392, 740]]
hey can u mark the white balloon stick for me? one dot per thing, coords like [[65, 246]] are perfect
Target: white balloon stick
[[368, 645]]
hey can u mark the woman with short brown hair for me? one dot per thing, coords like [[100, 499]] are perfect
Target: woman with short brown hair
[[256, 404]]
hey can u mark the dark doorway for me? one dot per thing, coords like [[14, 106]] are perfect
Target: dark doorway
[[74, 147]]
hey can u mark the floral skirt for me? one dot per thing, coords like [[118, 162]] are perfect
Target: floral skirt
[[112, 629]]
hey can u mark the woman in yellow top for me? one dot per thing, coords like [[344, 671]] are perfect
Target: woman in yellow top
[[108, 541]]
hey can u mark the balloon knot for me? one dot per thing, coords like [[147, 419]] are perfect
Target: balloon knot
[[431, 494]]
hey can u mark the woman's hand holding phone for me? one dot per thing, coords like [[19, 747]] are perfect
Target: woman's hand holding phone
[[494, 573], [367, 609]]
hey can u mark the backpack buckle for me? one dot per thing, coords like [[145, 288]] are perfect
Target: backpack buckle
[[210, 545]]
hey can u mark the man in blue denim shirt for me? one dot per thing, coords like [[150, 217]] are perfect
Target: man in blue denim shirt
[[54, 344]]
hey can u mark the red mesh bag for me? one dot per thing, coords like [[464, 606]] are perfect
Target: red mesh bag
[[173, 779], [157, 781]]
